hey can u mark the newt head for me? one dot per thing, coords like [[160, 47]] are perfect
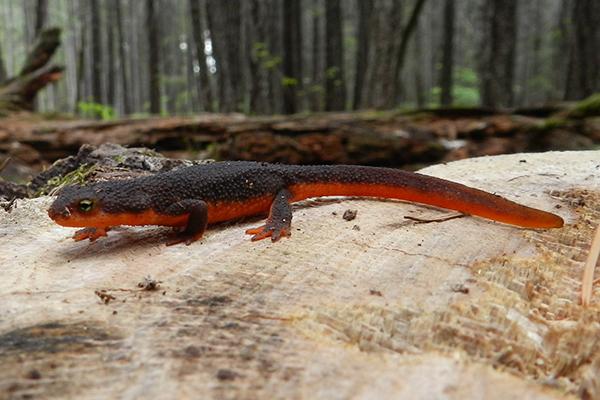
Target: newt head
[[75, 206]]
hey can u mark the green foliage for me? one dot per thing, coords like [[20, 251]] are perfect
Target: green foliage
[[589, 107], [261, 53], [540, 83], [96, 110], [287, 81], [182, 99], [465, 92], [551, 123], [466, 76], [332, 72], [465, 96]]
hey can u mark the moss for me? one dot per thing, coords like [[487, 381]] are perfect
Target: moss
[[589, 107], [77, 177], [552, 123], [57, 116]]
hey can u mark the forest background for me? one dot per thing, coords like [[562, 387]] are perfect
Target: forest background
[[134, 57]]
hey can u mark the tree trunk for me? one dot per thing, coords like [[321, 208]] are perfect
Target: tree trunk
[[97, 96], [420, 93], [401, 54], [292, 51], [365, 9], [216, 26], [447, 55], [498, 58], [259, 53], [335, 86], [80, 67], [41, 15], [561, 50], [583, 78], [274, 16], [3, 74], [317, 57], [390, 45], [234, 52], [154, 57], [206, 95], [122, 47], [110, 66]]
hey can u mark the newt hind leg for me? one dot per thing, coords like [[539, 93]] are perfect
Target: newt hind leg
[[279, 222]]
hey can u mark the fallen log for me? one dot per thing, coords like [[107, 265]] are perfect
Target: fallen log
[[379, 307], [369, 138]]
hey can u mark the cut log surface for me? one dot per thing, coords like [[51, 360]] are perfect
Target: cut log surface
[[374, 308]]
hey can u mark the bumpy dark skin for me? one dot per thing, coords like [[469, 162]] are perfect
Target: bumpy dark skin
[[191, 198]]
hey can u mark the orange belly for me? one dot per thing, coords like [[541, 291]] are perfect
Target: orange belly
[[217, 212]]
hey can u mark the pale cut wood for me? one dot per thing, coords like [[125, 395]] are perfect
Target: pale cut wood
[[378, 307], [588, 271]]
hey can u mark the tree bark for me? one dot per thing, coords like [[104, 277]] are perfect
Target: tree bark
[[365, 10], [498, 58], [154, 57], [335, 85], [447, 55]]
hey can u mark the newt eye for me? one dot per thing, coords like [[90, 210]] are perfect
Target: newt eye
[[86, 205]]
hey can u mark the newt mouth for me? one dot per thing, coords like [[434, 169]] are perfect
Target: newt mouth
[[57, 213]]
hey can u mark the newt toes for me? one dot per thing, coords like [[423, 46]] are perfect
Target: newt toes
[[191, 198]]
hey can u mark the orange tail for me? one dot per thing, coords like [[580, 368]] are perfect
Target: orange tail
[[436, 192]]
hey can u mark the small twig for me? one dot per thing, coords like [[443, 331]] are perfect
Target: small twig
[[4, 163], [427, 221], [588, 271], [262, 316]]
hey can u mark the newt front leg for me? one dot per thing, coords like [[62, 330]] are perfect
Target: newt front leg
[[90, 233], [197, 211]]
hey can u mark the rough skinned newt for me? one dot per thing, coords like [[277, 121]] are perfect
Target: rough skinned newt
[[191, 198]]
